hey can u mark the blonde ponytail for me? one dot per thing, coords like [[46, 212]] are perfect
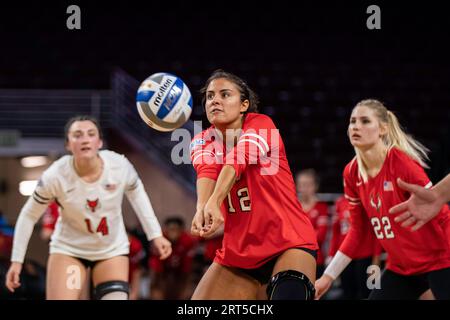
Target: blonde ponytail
[[395, 137]]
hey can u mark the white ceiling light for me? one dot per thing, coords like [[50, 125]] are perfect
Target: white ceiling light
[[27, 187], [33, 161]]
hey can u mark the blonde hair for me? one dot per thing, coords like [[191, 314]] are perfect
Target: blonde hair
[[395, 137]]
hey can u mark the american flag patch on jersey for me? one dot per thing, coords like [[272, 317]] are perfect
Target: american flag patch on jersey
[[387, 186]]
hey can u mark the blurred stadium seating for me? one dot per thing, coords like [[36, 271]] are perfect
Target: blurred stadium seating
[[309, 66]]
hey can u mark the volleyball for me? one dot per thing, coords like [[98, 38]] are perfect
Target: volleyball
[[164, 101]]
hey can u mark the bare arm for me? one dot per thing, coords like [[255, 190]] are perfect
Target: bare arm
[[225, 182], [423, 205], [212, 215], [205, 188], [442, 189]]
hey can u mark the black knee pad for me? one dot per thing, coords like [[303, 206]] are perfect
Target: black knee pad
[[110, 286], [290, 285]]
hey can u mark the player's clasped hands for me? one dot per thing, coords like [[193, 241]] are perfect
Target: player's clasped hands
[[208, 220]]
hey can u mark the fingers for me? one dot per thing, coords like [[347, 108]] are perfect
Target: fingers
[[16, 279], [402, 217], [9, 286], [319, 291], [194, 227], [208, 222], [194, 230], [206, 231], [409, 221], [209, 230], [197, 224], [207, 219], [317, 295], [201, 223], [418, 225], [12, 281], [164, 255], [399, 207], [164, 248], [165, 252], [322, 285]]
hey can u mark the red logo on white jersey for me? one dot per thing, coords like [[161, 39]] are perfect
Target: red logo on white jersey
[[92, 204]]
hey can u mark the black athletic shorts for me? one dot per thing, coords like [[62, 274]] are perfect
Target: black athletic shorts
[[91, 263], [264, 273], [395, 286]]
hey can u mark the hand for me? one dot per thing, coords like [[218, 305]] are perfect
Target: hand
[[197, 223], [322, 285], [162, 246], [13, 276], [212, 217], [422, 206]]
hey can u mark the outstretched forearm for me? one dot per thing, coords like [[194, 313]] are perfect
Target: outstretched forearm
[[225, 182], [442, 189], [205, 188]]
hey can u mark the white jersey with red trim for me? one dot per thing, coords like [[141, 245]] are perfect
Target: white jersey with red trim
[[91, 223]]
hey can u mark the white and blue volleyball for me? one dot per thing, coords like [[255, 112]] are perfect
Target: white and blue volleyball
[[164, 101]]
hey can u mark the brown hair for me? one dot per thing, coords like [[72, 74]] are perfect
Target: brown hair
[[244, 89], [81, 118], [309, 172]]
